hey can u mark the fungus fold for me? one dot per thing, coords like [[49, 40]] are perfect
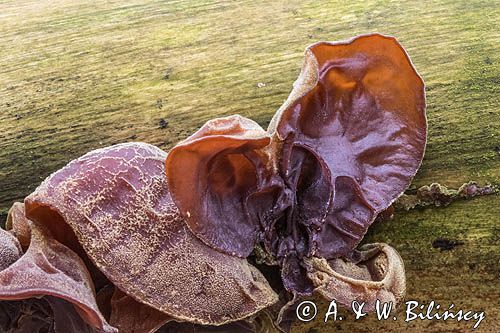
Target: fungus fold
[[50, 271]]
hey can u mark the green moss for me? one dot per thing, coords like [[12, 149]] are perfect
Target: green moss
[[3, 217], [76, 76], [474, 222]]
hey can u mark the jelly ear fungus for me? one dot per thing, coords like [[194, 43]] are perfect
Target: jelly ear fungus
[[172, 232], [349, 140], [118, 204], [48, 276], [351, 135], [340, 150], [211, 176]]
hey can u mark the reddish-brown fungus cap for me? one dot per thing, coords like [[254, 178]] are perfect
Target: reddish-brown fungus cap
[[212, 173], [118, 204], [49, 268], [351, 135]]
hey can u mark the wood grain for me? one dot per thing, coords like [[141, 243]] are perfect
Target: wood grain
[[76, 76]]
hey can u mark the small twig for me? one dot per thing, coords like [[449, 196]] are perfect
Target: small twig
[[439, 195]]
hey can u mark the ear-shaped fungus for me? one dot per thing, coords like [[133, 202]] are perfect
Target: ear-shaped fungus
[[117, 202], [379, 275], [352, 135], [171, 232], [49, 268], [222, 164], [343, 147]]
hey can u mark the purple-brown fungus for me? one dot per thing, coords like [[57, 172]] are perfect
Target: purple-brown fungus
[[49, 268], [342, 148], [130, 238], [118, 204]]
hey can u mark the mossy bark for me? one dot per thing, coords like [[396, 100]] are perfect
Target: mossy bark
[[75, 77]]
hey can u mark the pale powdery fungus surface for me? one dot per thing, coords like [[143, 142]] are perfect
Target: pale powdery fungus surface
[[117, 201]]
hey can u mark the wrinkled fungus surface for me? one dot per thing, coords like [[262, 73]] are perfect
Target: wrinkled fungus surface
[[130, 238], [341, 149], [48, 268], [117, 202]]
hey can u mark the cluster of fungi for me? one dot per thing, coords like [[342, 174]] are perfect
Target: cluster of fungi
[[234, 225]]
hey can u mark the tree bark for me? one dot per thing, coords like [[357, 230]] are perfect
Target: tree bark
[[75, 77]]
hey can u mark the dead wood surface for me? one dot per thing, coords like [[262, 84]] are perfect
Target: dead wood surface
[[76, 76]]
